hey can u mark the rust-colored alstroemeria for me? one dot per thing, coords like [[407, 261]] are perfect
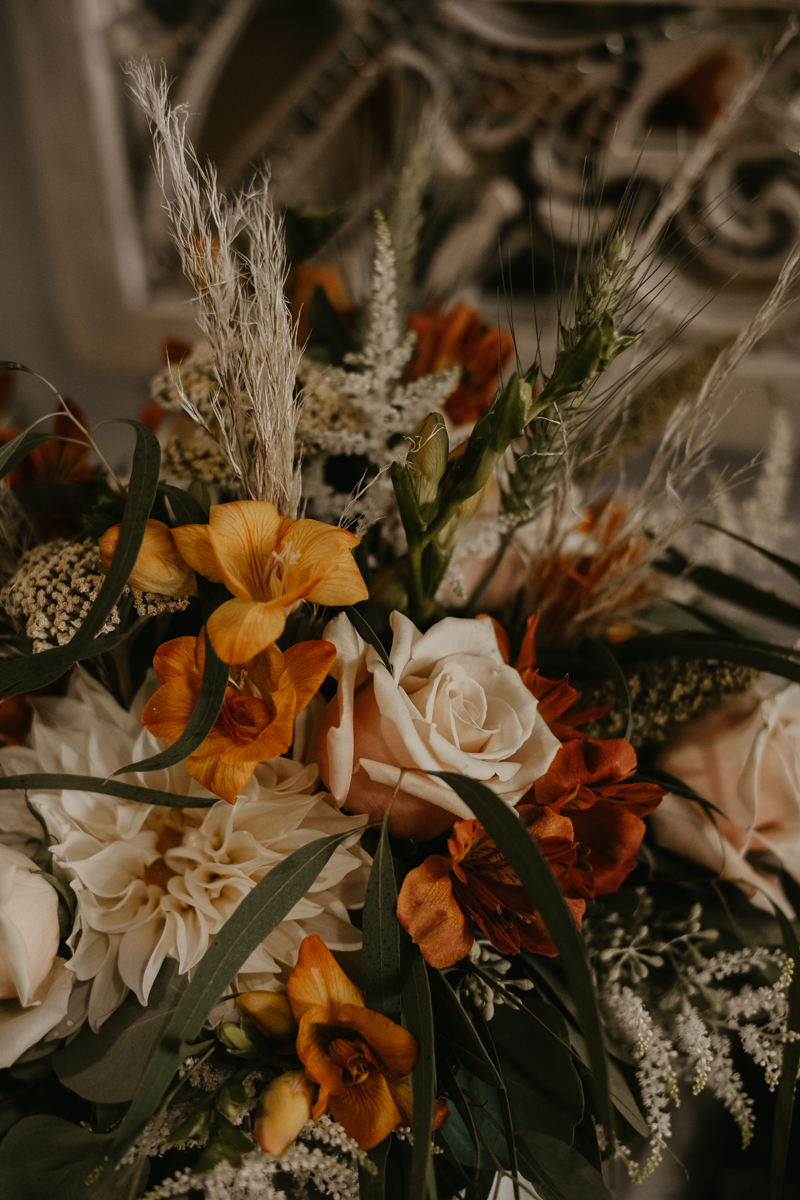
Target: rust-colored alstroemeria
[[442, 901], [159, 567], [460, 336], [556, 697], [256, 722], [360, 1059], [269, 563]]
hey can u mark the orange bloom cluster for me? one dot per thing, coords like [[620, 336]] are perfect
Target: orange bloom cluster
[[358, 1059], [256, 721], [585, 819], [459, 336]]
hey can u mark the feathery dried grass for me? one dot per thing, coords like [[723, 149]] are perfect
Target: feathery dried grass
[[232, 252]]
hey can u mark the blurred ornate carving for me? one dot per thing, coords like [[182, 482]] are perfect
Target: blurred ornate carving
[[542, 114]]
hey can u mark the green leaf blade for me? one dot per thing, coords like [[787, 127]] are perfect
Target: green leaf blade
[[53, 782], [380, 955], [418, 1018]]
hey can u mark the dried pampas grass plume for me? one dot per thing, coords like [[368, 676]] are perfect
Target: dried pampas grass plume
[[232, 252]]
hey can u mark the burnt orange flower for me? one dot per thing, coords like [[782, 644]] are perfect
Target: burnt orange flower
[[459, 336], [256, 722], [56, 461], [442, 901], [556, 697], [360, 1059], [159, 567], [269, 563], [586, 784]]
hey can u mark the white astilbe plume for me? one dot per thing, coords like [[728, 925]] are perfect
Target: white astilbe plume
[[240, 302]]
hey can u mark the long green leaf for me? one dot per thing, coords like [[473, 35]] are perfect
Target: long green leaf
[[536, 876], [418, 1018], [784, 1108], [746, 595], [57, 782], [505, 1107], [258, 914], [603, 655], [365, 630], [380, 955], [188, 511], [771, 659], [372, 1184], [27, 674], [786, 564], [209, 702], [453, 1089]]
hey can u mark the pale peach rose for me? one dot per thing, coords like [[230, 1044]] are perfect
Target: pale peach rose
[[745, 759], [34, 983], [450, 703]]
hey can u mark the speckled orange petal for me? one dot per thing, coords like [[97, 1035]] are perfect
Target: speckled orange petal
[[318, 979], [305, 667], [224, 779], [243, 535], [430, 913], [178, 657], [240, 629], [167, 712], [395, 1046], [325, 554], [194, 545], [366, 1111]]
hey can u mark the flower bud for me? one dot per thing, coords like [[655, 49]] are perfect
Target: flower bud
[[427, 461], [282, 1110], [269, 1012], [159, 567], [454, 528]]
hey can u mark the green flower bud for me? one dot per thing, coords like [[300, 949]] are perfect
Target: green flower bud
[[427, 461], [231, 1099], [236, 1039]]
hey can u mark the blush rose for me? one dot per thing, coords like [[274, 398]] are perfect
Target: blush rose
[[745, 759], [449, 703]]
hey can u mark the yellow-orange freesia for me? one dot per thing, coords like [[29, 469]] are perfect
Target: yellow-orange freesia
[[360, 1059], [159, 566], [281, 1112], [269, 563], [256, 721]]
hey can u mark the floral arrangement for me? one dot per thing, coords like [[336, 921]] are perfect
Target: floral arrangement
[[396, 797]]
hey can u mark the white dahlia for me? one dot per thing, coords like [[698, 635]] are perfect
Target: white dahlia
[[155, 883]]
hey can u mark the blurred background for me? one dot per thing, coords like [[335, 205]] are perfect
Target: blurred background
[[540, 116]]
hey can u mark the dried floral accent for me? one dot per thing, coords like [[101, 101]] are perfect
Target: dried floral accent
[[460, 338], [327, 410], [53, 590]]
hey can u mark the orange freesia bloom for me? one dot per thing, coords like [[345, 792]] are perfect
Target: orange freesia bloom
[[282, 1110], [270, 563], [459, 336], [159, 567], [256, 722], [442, 901], [360, 1059]]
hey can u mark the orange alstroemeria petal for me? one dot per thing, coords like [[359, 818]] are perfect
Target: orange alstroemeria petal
[[240, 629], [167, 712], [325, 555], [159, 566], [396, 1047], [313, 1038], [429, 912], [194, 544], [319, 980], [305, 667], [243, 535], [178, 657], [366, 1111], [224, 779]]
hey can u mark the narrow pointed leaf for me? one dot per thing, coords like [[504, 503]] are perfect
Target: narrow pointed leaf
[[258, 914], [20, 447], [362, 627], [372, 1185], [380, 955], [34, 781], [786, 564], [187, 508], [505, 1107], [603, 655], [543, 889], [418, 1019], [456, 1029], [784, 1108], [27, 674], [746, 595], [774, 660]]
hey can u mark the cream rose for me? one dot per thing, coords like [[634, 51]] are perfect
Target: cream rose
[[745, 759], [450, 703], [34, 986]]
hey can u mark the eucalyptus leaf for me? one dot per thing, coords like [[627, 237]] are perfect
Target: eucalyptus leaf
[[20, 447], [786, 564], [47, 1158], [27, 674], [365, 630], [774, 660], [380, 955], [255, 918], [784, 1108], [559, 1172], [418, 1018], [106, 1066], [51, 782], [456, 1030], [505, 1106], [535, 875]]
